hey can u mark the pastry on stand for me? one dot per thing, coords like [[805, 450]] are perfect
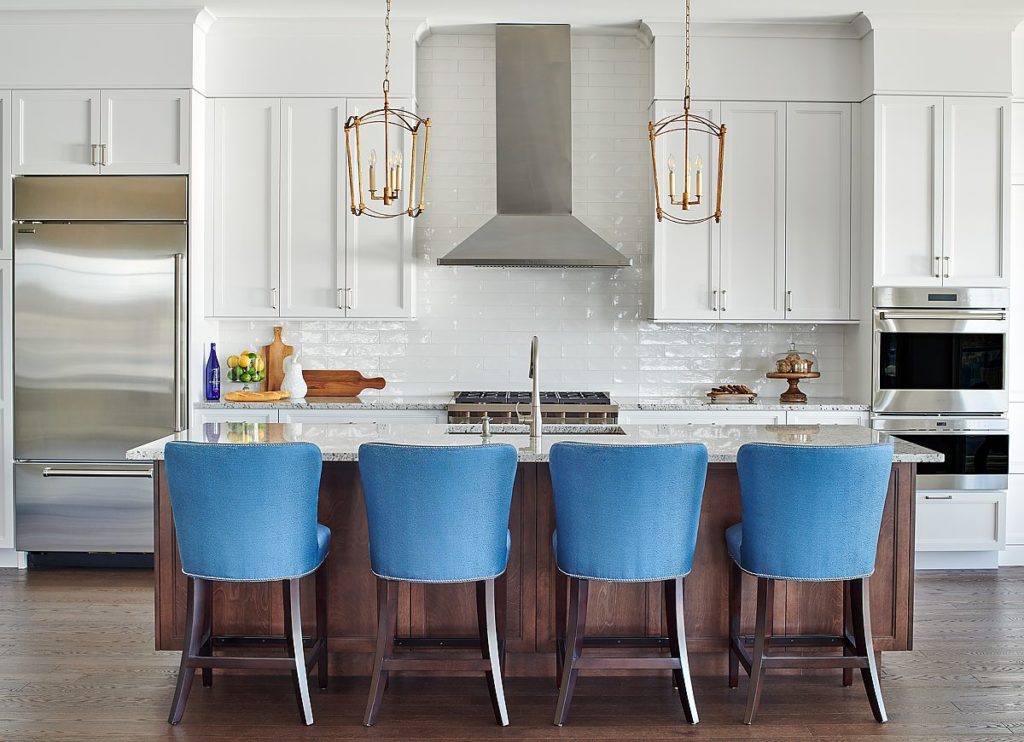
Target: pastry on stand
[[794, 366]]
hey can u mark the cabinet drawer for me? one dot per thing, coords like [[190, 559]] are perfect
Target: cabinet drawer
[[362, 416], [839, 417], [703, 417], [240, 415], [949, 520]]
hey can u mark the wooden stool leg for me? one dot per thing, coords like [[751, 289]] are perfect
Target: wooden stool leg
[[293, 631], [763, 632], [677, 634], [561, 599], [669, 598], [860, 603], [847, 632], [387, 617], [501, 615], [574, 646], [207, 650], [735, 614], [488, 628], [322, 593], [195, 610]]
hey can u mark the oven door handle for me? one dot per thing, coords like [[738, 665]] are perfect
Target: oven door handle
[[995, 316]]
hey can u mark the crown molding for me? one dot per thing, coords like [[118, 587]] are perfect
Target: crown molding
[[402, 28], [778, 30], [978, 21], [187, 16]]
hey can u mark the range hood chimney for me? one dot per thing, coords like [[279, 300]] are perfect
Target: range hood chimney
[[534, 226]]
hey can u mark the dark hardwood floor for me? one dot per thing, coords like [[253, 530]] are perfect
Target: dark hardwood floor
[[76, 662]]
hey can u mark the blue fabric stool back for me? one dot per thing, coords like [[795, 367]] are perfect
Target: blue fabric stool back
[[810, 512], [438, 513], [246, 512], [627, 512]]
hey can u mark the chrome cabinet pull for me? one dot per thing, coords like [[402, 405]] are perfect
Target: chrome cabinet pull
[[180, 351], [938, 267], [946, 274], [137, 473], [273, 298], [723, 300], [714, 300], [938, 497], [93, 159], [103, 155], [348, 297], [341, 301], [789, 301]]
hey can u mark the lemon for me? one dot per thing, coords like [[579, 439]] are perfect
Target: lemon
[[232, 361], [243, 361], [260, 365]]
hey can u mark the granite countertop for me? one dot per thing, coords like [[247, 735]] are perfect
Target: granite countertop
[[663, 404], [340, 442]]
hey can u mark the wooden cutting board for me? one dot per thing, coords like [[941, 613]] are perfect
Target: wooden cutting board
[[339, 383], [274, 355]]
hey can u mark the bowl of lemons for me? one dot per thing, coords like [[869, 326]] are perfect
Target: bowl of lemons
[[247, 368]]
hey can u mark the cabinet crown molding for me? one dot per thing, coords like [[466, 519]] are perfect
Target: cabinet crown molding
[[853, 29]]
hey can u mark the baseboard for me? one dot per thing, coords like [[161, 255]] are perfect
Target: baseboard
[[956, 560], [12, 559], [1012, 556]]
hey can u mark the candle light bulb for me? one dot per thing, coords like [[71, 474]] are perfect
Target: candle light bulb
[[699, 163], [373, 157], [671, 163]]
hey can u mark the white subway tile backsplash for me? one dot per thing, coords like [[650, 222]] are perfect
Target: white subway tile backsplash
[[474, 324]]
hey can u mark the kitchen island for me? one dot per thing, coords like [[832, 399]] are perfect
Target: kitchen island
[[619, 609]]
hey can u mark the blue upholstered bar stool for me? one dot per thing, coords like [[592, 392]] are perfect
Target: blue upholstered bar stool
[[248, 513], [810, 514], [624, 514], [438, 514]]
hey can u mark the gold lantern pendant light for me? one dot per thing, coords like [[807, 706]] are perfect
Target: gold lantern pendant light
[[686, 123], [395, 121]]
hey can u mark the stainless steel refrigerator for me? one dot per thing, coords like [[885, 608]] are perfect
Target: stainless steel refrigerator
[[99, 354]]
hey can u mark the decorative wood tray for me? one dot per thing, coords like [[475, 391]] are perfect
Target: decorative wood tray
[[737, 393], [244, 396]]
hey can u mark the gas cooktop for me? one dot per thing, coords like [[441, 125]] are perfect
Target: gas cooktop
[[600, 398]]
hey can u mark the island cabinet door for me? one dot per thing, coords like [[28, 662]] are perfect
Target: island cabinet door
[[446, 611]]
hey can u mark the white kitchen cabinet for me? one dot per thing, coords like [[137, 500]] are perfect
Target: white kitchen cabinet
[[818, 257], [976, 191], [396, 417], [941, 191], [312, 202], [703, 417], [827, 417], [687, 257], [144, 132], [378, 260], [56, 132], [246, 207], [958, 520], [240, 415], [1017, 143], [753, 212], [6, 195], [6, 409], [87, 132]]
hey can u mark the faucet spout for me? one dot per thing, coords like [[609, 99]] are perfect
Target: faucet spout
[[535, 419]]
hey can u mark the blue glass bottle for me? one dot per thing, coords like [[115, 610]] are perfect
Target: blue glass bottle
[[213, 375]]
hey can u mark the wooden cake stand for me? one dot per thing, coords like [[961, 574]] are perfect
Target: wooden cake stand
[[793, 395]]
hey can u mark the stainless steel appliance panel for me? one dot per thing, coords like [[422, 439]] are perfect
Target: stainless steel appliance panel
[[98, 338], [918, 297], [101, 198], [83, 507]]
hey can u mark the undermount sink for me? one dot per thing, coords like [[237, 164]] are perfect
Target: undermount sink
[[554, 429]]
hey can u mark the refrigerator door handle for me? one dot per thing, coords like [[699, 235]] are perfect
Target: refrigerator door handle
[[180, 396], [138, 473]]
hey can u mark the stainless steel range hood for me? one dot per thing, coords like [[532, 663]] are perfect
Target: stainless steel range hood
[[534, 227]]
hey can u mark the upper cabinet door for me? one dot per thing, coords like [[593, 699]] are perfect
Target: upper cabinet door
[[976, 191], [313, 205], [56, 132], [6, 197], [145, 131], [818, 151], [753, 211], [246, 203], [686, 256], [908, 191], [379, 262]]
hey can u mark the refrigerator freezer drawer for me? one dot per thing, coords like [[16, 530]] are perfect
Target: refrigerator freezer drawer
[[83, 507], [69, 198]]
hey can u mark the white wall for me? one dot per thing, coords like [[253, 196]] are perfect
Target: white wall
[[474, 324]]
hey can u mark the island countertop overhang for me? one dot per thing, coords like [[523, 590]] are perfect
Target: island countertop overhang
[[341, 441]]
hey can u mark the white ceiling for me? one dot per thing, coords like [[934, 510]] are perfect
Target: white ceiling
[[579, 12]]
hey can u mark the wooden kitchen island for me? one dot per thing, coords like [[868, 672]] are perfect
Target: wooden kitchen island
[[616, 609]]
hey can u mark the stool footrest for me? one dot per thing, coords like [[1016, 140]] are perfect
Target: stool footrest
[[626, 663], [436, 664]]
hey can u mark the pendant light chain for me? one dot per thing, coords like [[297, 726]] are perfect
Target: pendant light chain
[[686, 67], [387, 53]]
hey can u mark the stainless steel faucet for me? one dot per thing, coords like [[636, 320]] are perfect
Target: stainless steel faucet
[[535, 420]]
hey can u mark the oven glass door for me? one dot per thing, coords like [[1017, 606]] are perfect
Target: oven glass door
[[940, 360], [978, 460]]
